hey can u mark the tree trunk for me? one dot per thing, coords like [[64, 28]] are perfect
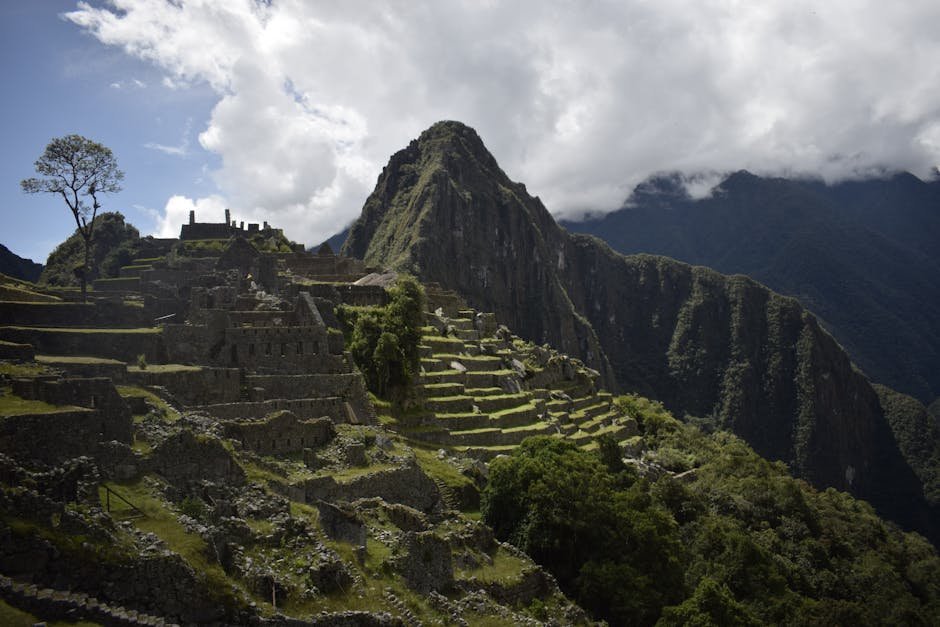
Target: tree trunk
[[84, 277]]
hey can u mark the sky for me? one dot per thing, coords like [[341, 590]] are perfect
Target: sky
[[287, 110]]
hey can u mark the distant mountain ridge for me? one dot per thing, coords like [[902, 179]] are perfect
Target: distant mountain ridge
[[718, 347], [17, 267], [864, 256]]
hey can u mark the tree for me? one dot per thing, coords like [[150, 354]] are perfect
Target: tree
[[78, 169]]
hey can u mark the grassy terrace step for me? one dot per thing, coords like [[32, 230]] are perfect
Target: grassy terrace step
[[462, 323], [617, 432], [488, 379], [515, 416], [441, 344], [590, 412], [495, 437], [134, 270], [473, 363], [596, 423], [467, 335], [447, 376], [444, 389], [425, 351], [486, 453], [449, 404], [587, 401], [481, 392], [463, 421], [434, 365], [121, 344], [494, 403]]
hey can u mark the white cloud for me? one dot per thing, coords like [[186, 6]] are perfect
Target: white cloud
[[179, 150], [176, 213], [579, 100]]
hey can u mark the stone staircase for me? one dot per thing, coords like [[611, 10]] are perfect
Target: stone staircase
[[483, 393], [59, 604]]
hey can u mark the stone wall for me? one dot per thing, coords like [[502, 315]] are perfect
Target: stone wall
[[124, 346], [407, 485], [186, 458], [349, 386], [16, 351], [103, 313], [281, 433], [51, 437], [334, 407], [204, 386]]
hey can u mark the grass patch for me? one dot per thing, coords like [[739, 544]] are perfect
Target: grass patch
[[169, 414], [23, 370], [163, 368], [505, 569], [162, 521], [438, 468], [138, 331], [12, 405], [68, 359]]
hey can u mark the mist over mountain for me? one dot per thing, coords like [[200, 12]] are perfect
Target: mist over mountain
[[723, 348], [864, 256]]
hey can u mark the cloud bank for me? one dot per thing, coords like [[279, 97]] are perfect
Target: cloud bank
[[580, 101]]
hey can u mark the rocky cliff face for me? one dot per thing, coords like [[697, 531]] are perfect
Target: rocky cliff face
[[706, 344]]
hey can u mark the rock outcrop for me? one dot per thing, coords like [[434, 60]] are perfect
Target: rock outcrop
[[714, 346]]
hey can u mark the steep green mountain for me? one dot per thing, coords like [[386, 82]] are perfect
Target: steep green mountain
[[115, 244], [862, 255], [17, 267], [723, 348]]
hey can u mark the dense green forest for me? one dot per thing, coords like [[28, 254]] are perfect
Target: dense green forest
[[705, 532]]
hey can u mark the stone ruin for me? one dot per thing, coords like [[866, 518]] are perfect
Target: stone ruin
[[250, 401]]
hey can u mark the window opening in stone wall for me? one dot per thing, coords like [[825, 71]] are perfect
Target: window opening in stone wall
[[300, 348], [234, 353], [283, 349], [267, 349], [251, 350]]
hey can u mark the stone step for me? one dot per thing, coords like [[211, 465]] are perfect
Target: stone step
[[446, 376], [467, 335], [494, 403], [590, 412], [462, 324], [463, 421], [492, 436], [481, 392], [515, 417], [425, 351], [439, 390], [441, 344], [597, 422], [495, 378], [487, 453], [617, 432], [479, 363], [449, 404], [431, 364]]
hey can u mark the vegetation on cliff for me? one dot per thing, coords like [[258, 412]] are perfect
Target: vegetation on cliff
[[731, 539], [861, 255], [918, 435]]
